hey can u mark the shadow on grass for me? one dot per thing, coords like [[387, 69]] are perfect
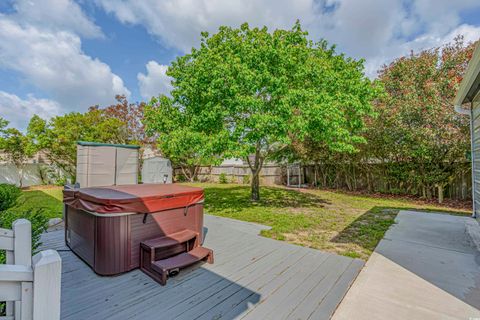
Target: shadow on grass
[[238, 197], [368, 229]]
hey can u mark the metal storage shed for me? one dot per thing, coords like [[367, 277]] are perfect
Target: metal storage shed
[[157, 170], [469, 93]]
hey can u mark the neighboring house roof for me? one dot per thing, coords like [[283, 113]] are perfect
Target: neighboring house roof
[[470, 85], [39, 157]]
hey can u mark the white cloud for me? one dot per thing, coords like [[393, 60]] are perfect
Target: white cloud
[[55, 15], [40, 40], [377, 30], [18, 111], [54, 62], [440, 16], [470, 34], [178, 23], [155, 82], [362, 28]]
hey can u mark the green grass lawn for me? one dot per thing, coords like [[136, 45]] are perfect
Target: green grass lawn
[[48, 198], [338, 222]]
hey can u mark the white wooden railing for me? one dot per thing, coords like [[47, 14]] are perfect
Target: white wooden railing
[[29, 285]]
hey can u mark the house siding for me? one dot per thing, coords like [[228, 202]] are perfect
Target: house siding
[[476, 154]]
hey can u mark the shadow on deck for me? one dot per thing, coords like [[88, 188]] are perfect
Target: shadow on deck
[[252, 278]]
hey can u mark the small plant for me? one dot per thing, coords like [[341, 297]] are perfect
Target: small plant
[[9, 194], [222, 178], [246, 179]]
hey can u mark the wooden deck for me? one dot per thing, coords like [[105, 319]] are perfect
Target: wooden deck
[[253, 278]]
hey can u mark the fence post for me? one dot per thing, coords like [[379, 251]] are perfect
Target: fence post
[[21, 255], [22, 247], [47, 271]]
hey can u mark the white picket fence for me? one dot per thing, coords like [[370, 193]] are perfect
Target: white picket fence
[[29, 285]]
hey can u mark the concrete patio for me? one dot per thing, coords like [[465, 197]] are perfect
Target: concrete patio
[[253, 278], [426, 267]]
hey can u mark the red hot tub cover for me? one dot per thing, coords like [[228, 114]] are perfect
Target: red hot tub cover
[[140, 198]]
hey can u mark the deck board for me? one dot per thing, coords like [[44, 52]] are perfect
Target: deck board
[[252, 278]]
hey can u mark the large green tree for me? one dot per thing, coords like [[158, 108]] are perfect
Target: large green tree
[[185, 147], [417, 132], [58, 136], [256, 90]]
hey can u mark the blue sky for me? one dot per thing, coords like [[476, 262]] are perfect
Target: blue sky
[[58, 56]]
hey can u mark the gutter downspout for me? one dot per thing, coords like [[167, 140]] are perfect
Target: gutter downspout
[[469, 113]]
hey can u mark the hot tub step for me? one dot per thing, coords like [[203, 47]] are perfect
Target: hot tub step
[[182, 260], [170, 240]]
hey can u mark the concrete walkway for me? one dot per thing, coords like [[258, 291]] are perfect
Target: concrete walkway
[[426, 267]]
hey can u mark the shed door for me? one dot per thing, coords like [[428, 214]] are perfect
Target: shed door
[[100, 170], [127, 166]]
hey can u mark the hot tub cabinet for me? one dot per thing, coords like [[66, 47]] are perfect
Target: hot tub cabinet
[[107, 226]]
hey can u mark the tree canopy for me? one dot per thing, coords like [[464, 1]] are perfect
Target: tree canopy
[[58, 136], [417, 116], [416, 143], [16, 147], [131, 115], [248, 92]]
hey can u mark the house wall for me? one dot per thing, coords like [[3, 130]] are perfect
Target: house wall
[[476, 154]]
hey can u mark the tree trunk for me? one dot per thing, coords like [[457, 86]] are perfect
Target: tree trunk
[[187, 173], [192, 173], [429, 192], [440, 193], [20, 176], [255, 186], [256, 167]]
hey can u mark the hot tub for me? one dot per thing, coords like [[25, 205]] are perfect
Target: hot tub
[[105, 225]]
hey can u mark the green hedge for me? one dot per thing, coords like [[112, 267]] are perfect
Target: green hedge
[[9, 195]]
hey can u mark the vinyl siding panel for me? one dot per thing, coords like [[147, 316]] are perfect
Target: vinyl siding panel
[[476, 154]]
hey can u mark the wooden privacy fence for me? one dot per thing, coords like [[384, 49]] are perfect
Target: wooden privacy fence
[[372, 178], [331, 176], [271, 174], [29, 286]]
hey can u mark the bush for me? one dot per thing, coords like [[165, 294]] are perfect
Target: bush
[[246, 179], [222, 178], [9, 194], [52, 175], [180, 178], [36, 217], [8, 214], [8, 199]]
